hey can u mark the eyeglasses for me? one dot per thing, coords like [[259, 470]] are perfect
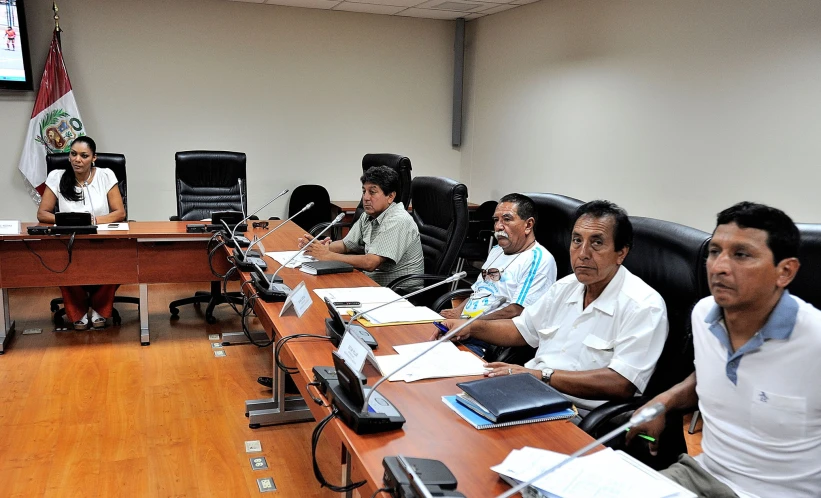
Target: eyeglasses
[[494, 274], [260, 224]]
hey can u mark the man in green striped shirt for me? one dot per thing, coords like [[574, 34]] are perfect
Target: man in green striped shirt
[[384, 243]]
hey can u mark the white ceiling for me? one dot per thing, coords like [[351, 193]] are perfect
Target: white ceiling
[[429, 9]]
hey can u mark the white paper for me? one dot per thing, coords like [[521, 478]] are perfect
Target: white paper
[[445, 360], [369, 297], [283, 256], [604, 474], [112, 227], [400, 314]]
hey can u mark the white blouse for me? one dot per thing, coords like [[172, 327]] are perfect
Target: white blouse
[[94, 195]]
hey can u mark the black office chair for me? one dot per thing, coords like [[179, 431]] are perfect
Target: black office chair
[[440, 210], [671, 259], [207, 181], [317, 218], [809, 254], [555, 222], [478, 239], [116, 163]]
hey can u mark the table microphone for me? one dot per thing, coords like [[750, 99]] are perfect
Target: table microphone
[[232, 231], [272, 290], [242, 259], [336, 335], [640, 417], [499, 302]]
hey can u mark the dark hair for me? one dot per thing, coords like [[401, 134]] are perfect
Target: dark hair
[[384, 177], [525, 207], [68, 180], [783, 237], [622, 228]]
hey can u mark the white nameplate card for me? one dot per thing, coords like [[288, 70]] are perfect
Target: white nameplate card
[[299, 298], [9, 227], [353, 351]]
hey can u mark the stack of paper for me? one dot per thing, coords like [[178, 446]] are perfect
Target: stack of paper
[[368, 297], [282, 257], [604, 474], [445, 360], [402, 312]]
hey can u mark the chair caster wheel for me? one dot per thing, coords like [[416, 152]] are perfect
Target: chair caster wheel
[[175, 312]]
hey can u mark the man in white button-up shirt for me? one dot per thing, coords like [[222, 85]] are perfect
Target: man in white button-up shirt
[[600, 330], [756, 367]]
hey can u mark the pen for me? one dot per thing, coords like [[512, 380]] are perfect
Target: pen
[[643, 436], [442, 328], [348, 304]]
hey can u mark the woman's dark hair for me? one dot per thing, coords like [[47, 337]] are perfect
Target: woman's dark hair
[[622, 228], [384, 177], [783, 237], [68, 180]]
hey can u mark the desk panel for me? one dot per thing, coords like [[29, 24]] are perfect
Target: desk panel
[[176, 261], [94, 261]]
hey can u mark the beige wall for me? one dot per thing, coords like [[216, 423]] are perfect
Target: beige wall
[[673, 109], [304, 93]]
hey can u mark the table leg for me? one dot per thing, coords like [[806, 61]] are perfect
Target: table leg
[[346, 471], [6, 324], [145, 338], [279, 409]]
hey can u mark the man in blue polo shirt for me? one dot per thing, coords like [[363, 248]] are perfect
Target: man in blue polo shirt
[[756, 367]]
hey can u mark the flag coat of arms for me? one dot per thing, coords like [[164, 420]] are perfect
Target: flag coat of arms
[[55, 120]]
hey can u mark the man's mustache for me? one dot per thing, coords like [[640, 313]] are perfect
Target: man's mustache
[[500, 234]]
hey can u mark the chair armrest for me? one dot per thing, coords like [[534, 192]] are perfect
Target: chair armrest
[[174, 218], [444, 300], [606, 412]]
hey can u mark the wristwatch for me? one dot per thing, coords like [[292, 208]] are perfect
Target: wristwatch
[[547, 373]]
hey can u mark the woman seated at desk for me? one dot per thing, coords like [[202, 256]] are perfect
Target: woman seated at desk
[[84, 188]]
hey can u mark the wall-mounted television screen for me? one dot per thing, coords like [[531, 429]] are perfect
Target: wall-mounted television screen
[[15, 64]]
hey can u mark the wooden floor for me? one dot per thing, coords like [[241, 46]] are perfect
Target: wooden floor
[[95, 414]]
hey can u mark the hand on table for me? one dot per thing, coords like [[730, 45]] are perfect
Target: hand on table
[[497, 368]]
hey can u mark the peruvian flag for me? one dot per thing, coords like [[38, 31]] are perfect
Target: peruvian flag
[[55, 120]]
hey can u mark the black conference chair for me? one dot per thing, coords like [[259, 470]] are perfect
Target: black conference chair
[[207, 181], [317, 218], [440, 210], [555, 221], [116, 163], [671, 259], [479, 237], [809, 254]]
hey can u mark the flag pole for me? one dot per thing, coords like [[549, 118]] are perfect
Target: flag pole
[[57, 29]]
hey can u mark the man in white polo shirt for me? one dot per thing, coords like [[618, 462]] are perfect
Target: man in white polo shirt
[[599, 331], [757, 351]]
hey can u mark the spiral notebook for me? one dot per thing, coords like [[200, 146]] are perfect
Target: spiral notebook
[[482, 423]]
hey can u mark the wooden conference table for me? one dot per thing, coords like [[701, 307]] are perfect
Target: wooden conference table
[[146, 253], [432, 430]]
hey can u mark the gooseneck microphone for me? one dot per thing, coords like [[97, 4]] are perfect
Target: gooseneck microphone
[[270, 289], [452, 278], [232, 231], [248, 260], [256, 242], [499, 302], [642, 416]]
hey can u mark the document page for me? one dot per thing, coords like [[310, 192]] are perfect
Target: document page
[[282, 256], [604, 474]]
